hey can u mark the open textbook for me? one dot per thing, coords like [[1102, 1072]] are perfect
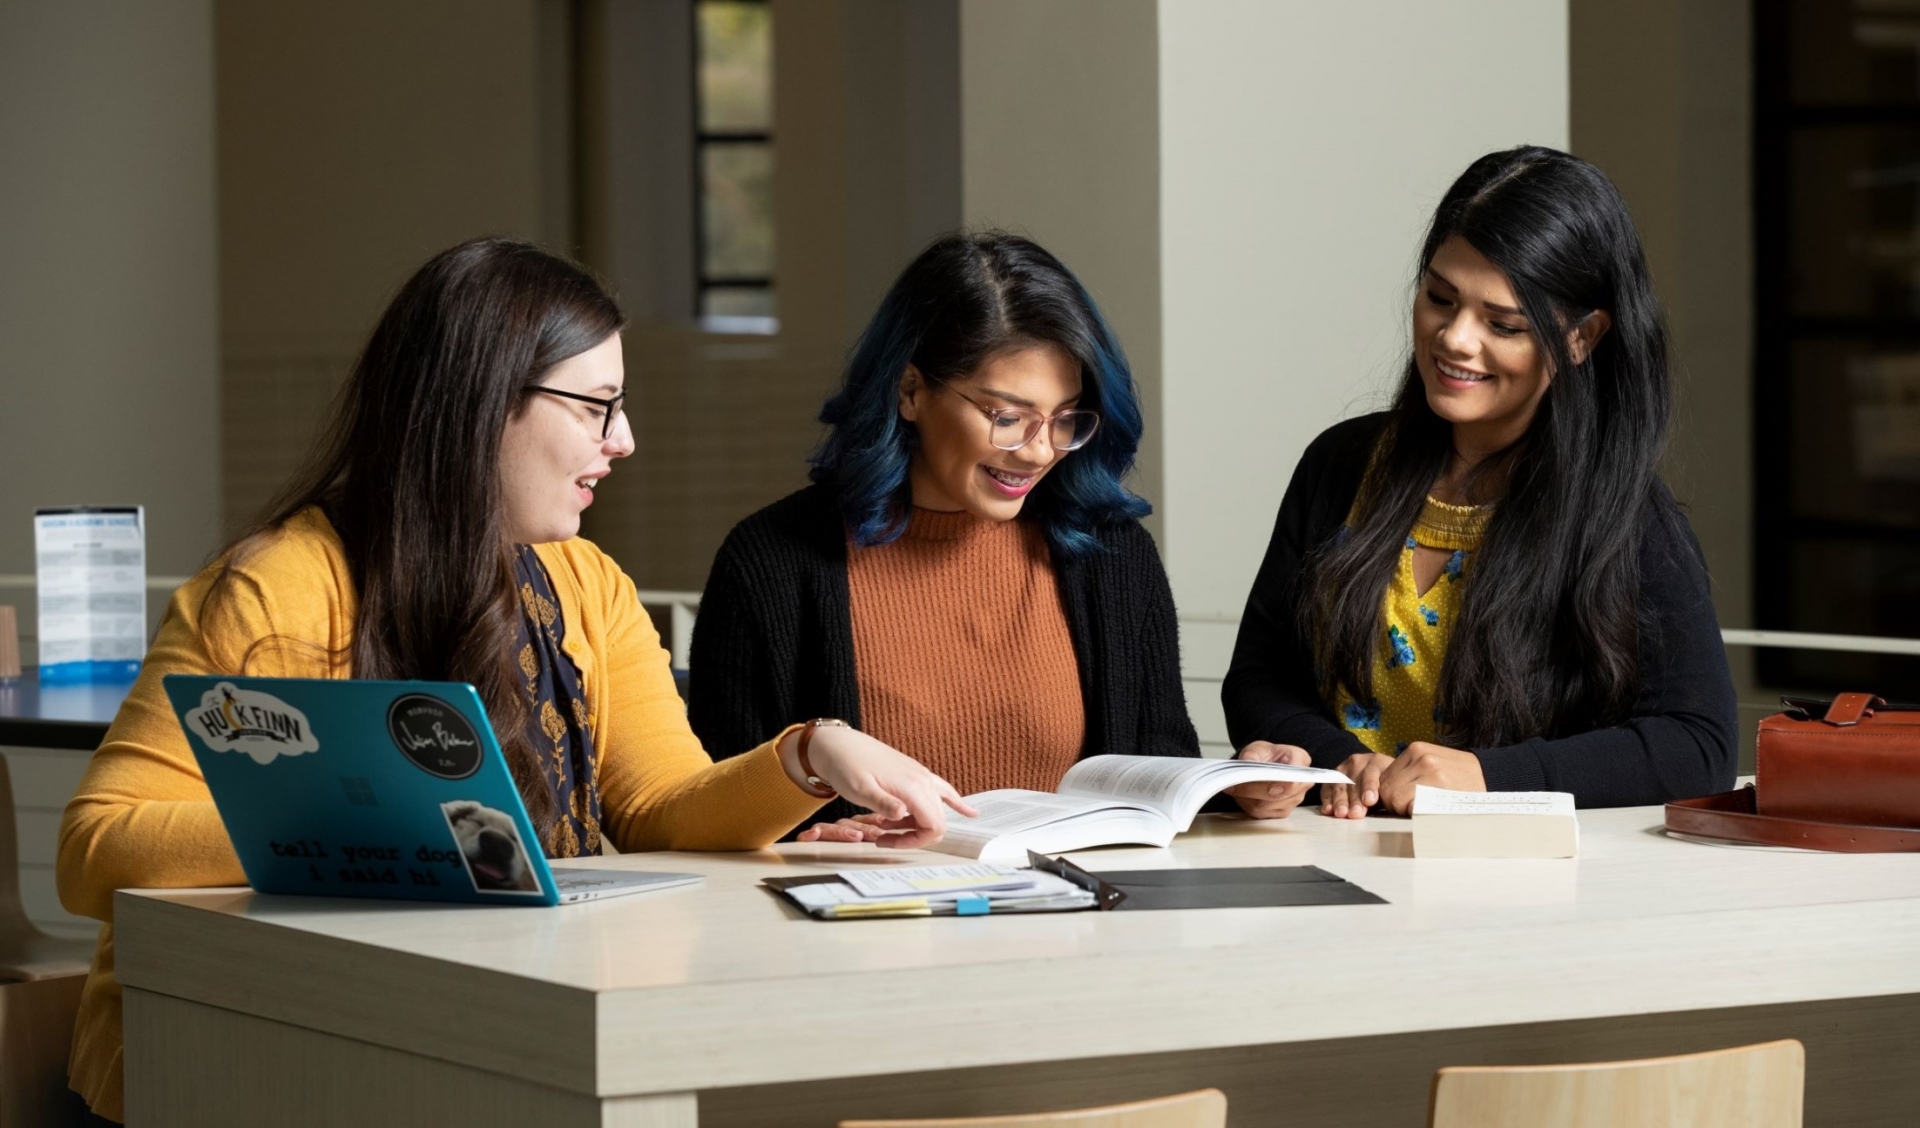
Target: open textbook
[[1107, 801]]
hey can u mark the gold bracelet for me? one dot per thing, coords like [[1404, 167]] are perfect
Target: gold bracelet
[[815, 786]]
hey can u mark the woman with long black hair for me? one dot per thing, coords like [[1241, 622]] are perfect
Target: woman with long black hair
[[434, 536], [1488, 586]]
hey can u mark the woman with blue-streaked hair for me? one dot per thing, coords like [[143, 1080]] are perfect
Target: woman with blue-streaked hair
[[967, 579]]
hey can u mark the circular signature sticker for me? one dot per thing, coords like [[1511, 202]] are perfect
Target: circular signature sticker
[[434, 736]]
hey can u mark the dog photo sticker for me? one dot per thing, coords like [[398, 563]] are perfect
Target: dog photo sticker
[[434, 736], [244, 720], [490, 845]]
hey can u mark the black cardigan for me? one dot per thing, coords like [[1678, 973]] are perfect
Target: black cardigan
[[1679, 742], [773, 643]]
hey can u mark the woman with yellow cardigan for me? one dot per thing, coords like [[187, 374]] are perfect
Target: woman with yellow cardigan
[[435, 537]]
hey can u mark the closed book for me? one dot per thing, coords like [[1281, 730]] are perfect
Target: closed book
[[1494, 824]]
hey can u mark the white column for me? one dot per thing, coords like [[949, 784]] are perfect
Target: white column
[[1302, 150]]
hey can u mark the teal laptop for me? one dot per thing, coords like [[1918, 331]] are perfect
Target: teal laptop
[[393, 789]]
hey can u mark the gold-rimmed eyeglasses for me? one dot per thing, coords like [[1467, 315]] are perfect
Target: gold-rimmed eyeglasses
[[1015, 427]]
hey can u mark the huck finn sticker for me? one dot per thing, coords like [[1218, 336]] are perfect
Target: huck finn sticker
[[259, 724]]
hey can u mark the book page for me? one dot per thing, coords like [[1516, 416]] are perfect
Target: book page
[[1440, 801], [935, 881], [1156, 781], [1009, 811], [1177, 786]]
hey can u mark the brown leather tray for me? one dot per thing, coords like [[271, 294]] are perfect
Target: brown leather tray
[[1731, 815]]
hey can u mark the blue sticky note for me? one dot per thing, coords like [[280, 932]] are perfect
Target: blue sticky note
[[972, 904]]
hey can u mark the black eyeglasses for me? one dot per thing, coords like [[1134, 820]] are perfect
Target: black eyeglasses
[[612, 407]]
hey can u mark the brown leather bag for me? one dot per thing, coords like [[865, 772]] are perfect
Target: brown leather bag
[[1841, 775], [1858, 763], [1730, 816]]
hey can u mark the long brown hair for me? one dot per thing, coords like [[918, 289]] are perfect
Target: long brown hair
[[408, 472]]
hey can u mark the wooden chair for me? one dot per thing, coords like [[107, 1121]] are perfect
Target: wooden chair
[[40, 981], [1745, 1087], [1206, 1108]]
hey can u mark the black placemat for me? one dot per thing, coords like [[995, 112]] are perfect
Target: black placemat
[[1234, 887]]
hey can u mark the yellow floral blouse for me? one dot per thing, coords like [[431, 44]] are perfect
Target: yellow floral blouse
[[1406, 664]]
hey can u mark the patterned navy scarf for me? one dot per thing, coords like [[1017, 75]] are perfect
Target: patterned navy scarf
[[558, 721]]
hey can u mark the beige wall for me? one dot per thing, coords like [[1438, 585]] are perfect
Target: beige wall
[[1662, 102], [636, 160], [866, 144], [357, 138], [108, 368], [1061, 142], [109, 373], [867, 151]]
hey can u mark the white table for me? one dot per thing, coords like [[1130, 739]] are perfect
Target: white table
[[717, 1005]]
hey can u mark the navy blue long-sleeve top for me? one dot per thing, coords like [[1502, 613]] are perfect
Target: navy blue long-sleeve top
[[1679, 741]]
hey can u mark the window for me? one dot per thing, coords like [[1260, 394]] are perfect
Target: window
[[1837, 362], [733, 165]]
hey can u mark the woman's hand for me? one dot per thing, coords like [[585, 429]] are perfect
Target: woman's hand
[[1351, 800], [905, 798], [1271, 800], [859, 828], [1434, 765]]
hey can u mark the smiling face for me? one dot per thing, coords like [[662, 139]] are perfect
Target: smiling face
[[552, 455], [1483, 370], [955, 465]]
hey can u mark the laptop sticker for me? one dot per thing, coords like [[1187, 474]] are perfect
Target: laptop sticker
[[245, 720], [490, 845], [434, 736]]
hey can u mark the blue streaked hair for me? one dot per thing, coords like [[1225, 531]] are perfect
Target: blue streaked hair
[[965, 300]]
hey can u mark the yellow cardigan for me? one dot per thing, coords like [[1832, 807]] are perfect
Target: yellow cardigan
[[142, 817]]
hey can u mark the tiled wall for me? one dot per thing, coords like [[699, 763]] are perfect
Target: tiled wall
[[43, 780], [271, 410], [722, 427]]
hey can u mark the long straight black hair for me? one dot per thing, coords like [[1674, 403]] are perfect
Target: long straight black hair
[[408, 474], [1547, 639]]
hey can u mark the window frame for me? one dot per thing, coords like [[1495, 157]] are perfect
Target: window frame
[[703, 138]]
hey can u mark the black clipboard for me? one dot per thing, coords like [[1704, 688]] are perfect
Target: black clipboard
[[1232, 887]]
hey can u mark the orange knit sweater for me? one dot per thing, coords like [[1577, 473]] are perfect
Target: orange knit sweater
[[962, 651]]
